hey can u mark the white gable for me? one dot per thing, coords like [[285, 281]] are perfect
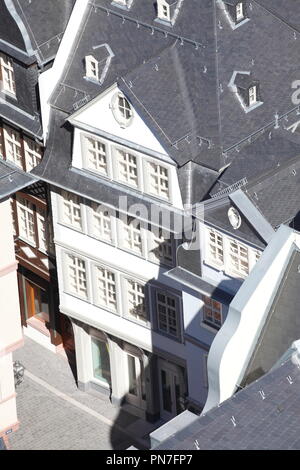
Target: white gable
[[98, 115]]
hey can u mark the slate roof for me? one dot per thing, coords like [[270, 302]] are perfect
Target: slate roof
[[187, 69], [246, 420], [12, 179], [269, 151], [45, 22], [276, 195]]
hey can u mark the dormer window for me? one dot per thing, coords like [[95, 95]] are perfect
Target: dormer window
[[97, 62], [246, 89], [7, 75], [121, 109], [168, 10], [235, 11], [252, 95], [122, 3], [91, 68], [239, 11]]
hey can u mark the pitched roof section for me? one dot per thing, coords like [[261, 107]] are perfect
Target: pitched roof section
[[45, 22], [187, 69], [264, 415], [12, 179]]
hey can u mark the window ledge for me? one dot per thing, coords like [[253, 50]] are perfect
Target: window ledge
[[209, 327]]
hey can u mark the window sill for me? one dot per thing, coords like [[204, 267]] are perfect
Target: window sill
[[210, 328]]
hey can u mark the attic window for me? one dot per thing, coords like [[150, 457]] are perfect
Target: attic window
[[168, 10], [121, 109], [235, 11], [122, 3], [91, 67], [252, 95], [247, 90], [239, 10]]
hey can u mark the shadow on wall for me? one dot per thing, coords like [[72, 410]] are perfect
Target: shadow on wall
[[157, 381]]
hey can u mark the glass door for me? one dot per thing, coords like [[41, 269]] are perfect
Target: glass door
[[136, 381], [171, 384]]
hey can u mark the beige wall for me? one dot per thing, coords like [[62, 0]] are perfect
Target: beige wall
[[10, 325]]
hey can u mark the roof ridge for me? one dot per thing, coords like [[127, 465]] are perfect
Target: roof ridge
[[277, 16]]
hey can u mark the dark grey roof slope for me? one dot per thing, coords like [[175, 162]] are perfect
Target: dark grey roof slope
[[270, 150], [12, 179], [246, 420], [187, 69], [277, 195], [286, 10], [45, 22], [282, 326], [2, 445]]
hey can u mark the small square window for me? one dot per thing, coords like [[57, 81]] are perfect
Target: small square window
[[212, 312], [76, 276]]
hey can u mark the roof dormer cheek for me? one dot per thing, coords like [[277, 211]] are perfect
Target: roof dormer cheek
[[235, 10], [168, 10]]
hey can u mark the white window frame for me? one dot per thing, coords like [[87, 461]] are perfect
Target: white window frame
[[209, 257], [7, 75], [99, 336], [151, 172], [98, 211], [232, 269], [143, 319], [75, 203], [91, 68], [163, 11], [25, 210], [42, 230], [117, 110], [124, 228], [33, 156], [77, 269], [252, 95], [118, 151], [153, 245], [103, 302], [177, 310], [86, 139], [239, 11], [13, 146]]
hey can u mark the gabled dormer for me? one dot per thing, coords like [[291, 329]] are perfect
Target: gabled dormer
[[236, 11], [125, 4], [97, 63], [167, 11], [246, 89]]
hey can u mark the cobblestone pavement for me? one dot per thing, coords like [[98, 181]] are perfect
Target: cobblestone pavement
[[55, 415]]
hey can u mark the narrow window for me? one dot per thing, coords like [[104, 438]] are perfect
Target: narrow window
[[239, 11], [215, 247], [102, 222], [33, 154], [25, 210], [76, 271], [91, 67], [101, 362], [13, 146], [96, 155], [127, 168], [71, 210], [136, 301], [239, 258], [132, 235], [167, 314], [7, 75], [106, 288], [212, 312], [158, 180], [252, 95]]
